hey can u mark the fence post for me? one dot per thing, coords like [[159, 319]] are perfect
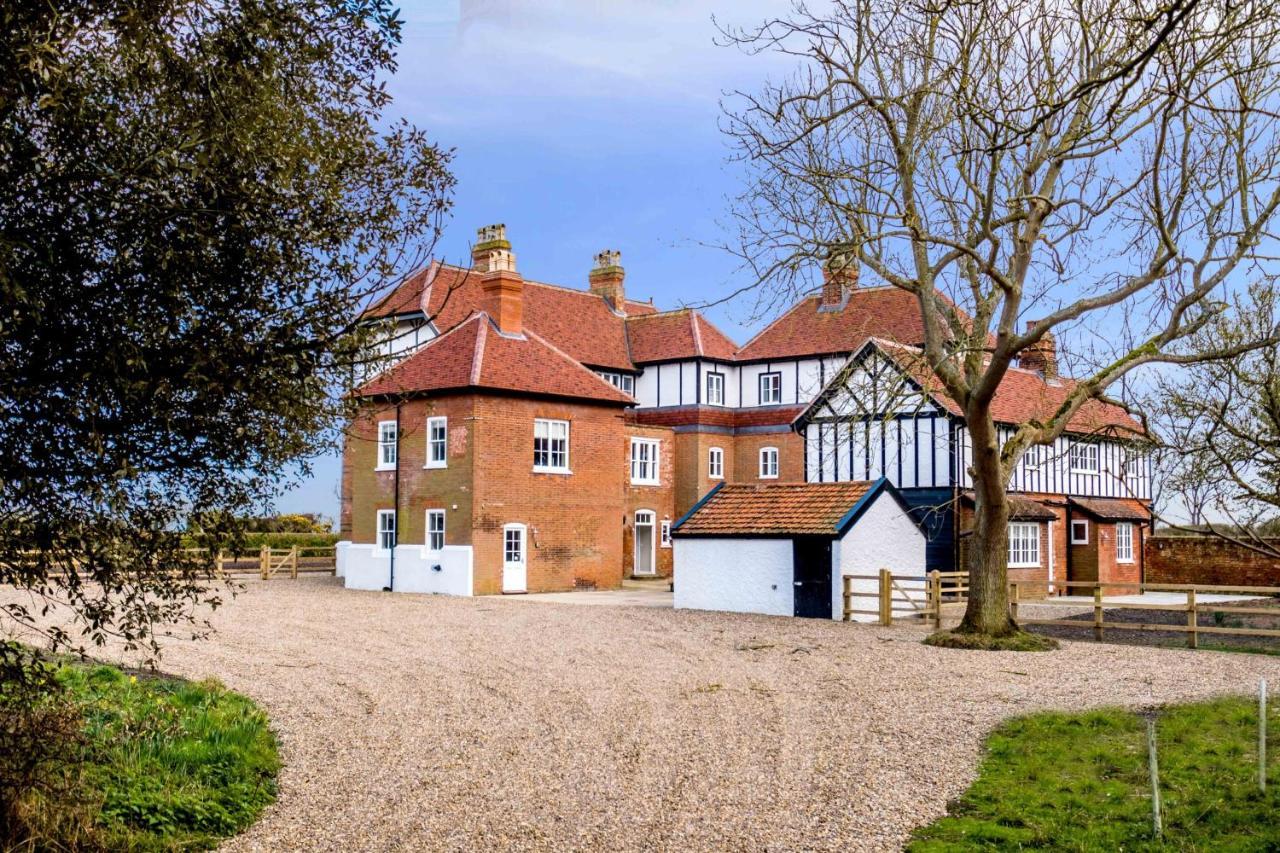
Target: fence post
[[846, 595], [1097, 611], [1262, 736], [935, 593], [264, 561], [886, 597], [1013, 601], [293, 558], [1153, 767], [1193, 621]]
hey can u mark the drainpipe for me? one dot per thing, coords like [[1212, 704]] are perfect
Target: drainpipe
[[395, 507]]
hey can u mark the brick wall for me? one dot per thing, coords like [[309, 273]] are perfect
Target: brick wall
[[367, 490], [1208, 560], [746, 456], [574, 520], [659, 499]]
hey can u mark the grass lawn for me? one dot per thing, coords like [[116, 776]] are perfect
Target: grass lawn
[[1080, 782], [174, 765]]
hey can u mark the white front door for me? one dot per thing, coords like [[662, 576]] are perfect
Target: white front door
[[644, 564], [514, 559]]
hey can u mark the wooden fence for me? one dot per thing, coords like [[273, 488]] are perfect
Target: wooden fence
[[922, 596], [944, 591], [1191, 606], [270, 562]]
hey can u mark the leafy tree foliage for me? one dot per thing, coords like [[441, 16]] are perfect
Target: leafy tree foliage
[[196, 196]]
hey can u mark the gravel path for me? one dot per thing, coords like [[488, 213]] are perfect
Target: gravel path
[[418, 722]]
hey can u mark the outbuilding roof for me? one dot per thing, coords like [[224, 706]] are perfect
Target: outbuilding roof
[[1020, 508], [1112, 509], [781, 509]]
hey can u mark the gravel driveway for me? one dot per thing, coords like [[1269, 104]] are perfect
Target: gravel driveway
[[419, 722]]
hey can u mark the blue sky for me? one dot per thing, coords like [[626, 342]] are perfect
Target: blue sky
[[583, 125]]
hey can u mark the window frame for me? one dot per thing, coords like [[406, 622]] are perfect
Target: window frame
[[379, 531], [385, 443], [440, 513], [443, 461], [769, 376], [664, 535], [523, 530], [761, 470], [713, 374], [1025, 563], [1076, 540], [1076, 449], [1131, 528], [550, 451], [715, 463], [652, 463]]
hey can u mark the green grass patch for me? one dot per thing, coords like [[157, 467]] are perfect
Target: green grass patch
[[175, 765], [1079, 782]]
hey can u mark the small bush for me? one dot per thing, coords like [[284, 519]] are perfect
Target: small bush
[[1020, 641], [40, 744]]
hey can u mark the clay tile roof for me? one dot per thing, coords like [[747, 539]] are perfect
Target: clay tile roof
[[474, 354], [1112, 509], [576, 321], [884, 312], [1022, 509], [1023, 395], [676, 334], [775, 509]]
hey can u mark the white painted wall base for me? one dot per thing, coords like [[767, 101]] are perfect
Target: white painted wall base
[[738, 575], [446, 572], [747, 575], [884, 537]]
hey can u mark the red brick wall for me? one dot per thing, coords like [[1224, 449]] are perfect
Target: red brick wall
[[659, 499], [1208, 560], [574, 520], [366, 490], [746, 457]]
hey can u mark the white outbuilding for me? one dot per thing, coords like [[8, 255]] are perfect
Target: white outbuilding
[[781, 548]]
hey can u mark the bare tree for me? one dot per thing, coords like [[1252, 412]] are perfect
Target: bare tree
[[1107, 165], [1219, 426]]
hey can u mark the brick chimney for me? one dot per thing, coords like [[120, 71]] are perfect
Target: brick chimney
[[839, 278], [492, 251], [606, 279], [1042, 356], [502, 286]]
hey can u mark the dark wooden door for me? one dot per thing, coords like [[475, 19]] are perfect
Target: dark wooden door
[[812, 558]]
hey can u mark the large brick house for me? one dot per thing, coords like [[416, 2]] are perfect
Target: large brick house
[[531, 436]]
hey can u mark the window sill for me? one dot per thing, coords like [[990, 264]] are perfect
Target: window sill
[[768, 476], [538, 470], [646, 483], [1079, 541], [1024, 566], [1084, 471], [434, 465], [385, 468], [1129, 562], [715, 477]]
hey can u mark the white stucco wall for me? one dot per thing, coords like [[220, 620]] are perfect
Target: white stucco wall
[[738, 575], [418, 569], [884, 537]]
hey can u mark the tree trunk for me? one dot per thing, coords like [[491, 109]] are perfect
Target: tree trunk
[[988, 608]]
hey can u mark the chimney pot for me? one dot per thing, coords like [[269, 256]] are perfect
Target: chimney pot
[[1042, 356], [839, 279], [492, 250], [606, 279]]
